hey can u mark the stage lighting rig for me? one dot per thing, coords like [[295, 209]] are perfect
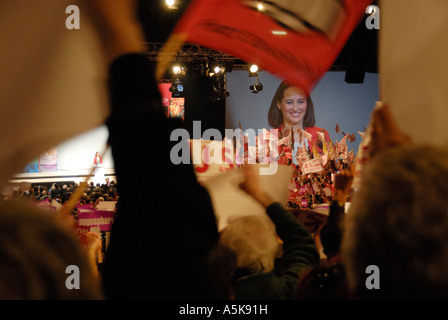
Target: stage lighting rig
[[257, 87]]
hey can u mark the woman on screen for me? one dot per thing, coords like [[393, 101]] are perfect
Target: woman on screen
[[292, 109]]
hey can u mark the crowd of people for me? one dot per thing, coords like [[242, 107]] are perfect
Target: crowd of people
[[62, 191], [309, 190], [397, 219]]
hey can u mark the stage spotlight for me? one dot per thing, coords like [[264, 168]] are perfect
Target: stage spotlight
[[171, 4], [214, 68], [178, 70], [253, 70], [257, 87], [217, 68]]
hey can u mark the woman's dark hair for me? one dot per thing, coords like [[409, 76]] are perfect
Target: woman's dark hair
[[275, 117]]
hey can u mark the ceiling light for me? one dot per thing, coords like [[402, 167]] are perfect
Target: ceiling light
[[253, 68], [176, 69], [214, 68], [171, 4], [217, 69]]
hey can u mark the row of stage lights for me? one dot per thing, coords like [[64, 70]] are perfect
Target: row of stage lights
[[217, 73]]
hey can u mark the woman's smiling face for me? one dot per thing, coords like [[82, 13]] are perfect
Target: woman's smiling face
[[293, 106]]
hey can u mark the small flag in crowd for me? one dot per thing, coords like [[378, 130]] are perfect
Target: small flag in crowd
[[306, 134], [320, 136], [337, 128], [361, 134]]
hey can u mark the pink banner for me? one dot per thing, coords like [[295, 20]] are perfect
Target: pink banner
[[80, 232], [97, 218], [46, 205]]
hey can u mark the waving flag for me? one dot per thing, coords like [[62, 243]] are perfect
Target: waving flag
[[320, 136], [413, 63], [53, 80], [302, 155], [337, 128], [306, 134], [295, 40], [361, 134]]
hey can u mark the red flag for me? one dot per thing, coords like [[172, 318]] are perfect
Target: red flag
[[298, 50]]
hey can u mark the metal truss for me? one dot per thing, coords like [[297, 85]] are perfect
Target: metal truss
[[192, 53]]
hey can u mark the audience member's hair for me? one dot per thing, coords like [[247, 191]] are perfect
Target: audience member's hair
[[254, 240], [398, 221], [35, 250]]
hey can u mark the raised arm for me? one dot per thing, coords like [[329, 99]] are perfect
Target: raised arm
[[299, 249], [159, 241]]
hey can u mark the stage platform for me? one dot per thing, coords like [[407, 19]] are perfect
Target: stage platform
[[76, 176]]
